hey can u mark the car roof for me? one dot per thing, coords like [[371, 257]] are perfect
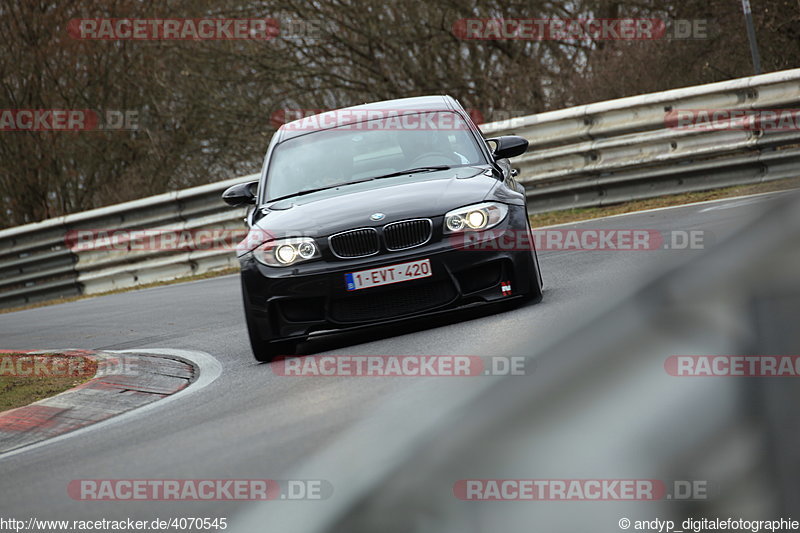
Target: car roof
[[291, 129]]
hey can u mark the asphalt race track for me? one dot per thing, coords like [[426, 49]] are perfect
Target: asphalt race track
[[251, 423]]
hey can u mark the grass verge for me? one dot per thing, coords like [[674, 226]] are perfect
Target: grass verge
[[27, 378], [575, 215]]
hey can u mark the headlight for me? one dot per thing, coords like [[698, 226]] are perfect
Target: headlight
[[286, 252], [475, 217]]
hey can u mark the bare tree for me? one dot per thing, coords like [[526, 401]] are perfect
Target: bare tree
[[205, 107]]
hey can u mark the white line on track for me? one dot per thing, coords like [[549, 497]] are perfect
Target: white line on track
[[730, 205], [750, 199]]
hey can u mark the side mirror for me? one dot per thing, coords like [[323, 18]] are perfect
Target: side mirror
[[508, 146], [241, 194]]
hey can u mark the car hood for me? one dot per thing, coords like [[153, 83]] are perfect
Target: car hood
[[398, 198]]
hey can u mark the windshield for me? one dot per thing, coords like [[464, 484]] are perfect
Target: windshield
[[369, 149]]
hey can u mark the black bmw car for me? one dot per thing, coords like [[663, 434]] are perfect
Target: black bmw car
[[376, 213]]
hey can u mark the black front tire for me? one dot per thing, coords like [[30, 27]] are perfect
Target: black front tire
[[263, 351], [535, 296], [266, 352]]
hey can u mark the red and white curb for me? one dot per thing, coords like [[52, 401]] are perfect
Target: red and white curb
[[124, 381]]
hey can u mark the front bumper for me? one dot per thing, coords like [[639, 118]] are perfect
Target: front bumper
[[288, 303]]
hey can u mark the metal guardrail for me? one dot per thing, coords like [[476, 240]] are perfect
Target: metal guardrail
[[38, 263], [622, 150], [583, 156]]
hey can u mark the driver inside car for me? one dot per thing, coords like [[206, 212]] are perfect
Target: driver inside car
[[424, 148]]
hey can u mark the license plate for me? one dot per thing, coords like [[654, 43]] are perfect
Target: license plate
[[375, 277]]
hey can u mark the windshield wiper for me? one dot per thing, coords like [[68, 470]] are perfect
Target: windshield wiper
[[416, 170], [393, 174], [309, 191]]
